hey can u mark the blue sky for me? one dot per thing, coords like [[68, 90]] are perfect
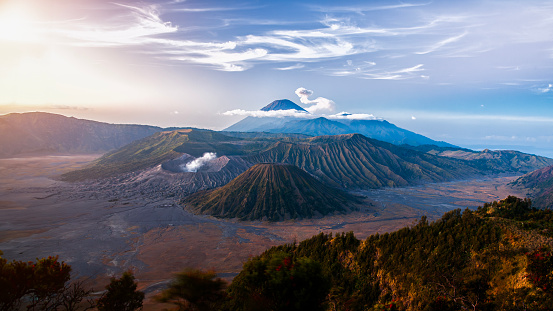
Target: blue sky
[[474, 73]]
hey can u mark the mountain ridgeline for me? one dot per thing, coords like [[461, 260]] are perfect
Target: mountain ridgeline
[[499, 161], [350, 161], [355, 161], [46, 133], [376, 129], [272, 192]]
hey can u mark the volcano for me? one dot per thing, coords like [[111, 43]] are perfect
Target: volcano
[[272, 192], [282, 104]]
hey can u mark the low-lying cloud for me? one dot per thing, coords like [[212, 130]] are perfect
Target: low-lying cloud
[[353, 116], [318, 104], [270, 113], [196, 164]]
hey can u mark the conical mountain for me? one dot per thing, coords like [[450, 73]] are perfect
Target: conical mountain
[[271, 192], [282, 104], [252, 124]]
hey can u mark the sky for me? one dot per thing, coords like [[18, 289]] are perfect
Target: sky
[[476, 74]]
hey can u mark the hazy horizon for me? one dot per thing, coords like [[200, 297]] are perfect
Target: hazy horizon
[[476, 74]]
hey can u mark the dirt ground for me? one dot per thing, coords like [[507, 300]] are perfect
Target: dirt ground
[[101, 236]]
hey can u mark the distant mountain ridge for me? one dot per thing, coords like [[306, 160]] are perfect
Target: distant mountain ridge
[[47, 133], [500, 161], [376, 129]]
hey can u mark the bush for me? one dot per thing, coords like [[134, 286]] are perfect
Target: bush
[[121, 295]]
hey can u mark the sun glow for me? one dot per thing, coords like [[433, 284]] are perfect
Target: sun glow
[[16, 24]]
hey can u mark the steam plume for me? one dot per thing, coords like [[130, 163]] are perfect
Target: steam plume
[[318, 104], [195, 164]]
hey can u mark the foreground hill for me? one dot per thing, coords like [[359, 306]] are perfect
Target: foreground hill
[[46, 133], [271, 192], [496, 258], [539, 185]]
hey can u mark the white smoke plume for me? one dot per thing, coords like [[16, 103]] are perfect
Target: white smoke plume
[[194, 165], [318, 104], [270, 113]]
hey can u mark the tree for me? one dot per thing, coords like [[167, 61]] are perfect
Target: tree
[[195, 290], [121, 295], [280, 282], [42, 282]]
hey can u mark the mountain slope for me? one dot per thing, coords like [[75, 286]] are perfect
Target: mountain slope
[[46, 133], [539, 185], [138, 155], [313, 127], [388, 132], [282, 104], [499, 161], [164, 148], [271, 192], [355, 161]]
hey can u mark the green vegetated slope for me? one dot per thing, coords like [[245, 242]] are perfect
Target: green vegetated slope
[[496, 258], [160, 147], [140, 154], [539, 184], [355, 161], [500, 161], [271, 192], [163, 146], [47, 133]]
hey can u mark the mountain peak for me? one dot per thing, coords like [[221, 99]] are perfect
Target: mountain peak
[[282, 104], [274, 192]]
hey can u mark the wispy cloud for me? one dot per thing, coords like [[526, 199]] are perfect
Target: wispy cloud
[[353, 116], [135, 27], [296, 66], [410, 33], [545, 89], [362, 9], [442, 43], [480, 117]]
